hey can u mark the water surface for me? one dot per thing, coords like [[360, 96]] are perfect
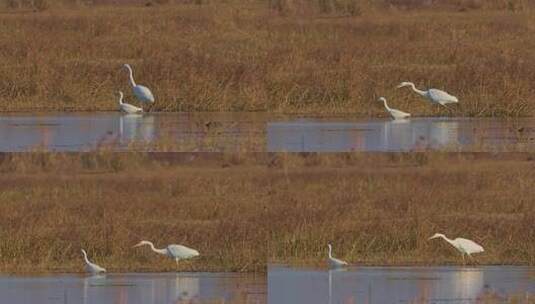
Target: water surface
[[259, 132], [162, 288], [383, 285]]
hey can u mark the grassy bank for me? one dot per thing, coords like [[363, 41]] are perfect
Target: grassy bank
[[382, 209], [53, 205], [244, 209], [282, 56]]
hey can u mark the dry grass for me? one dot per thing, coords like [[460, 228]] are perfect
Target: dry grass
[[54, 204], [376, 210], [240, 210], [244, 55]]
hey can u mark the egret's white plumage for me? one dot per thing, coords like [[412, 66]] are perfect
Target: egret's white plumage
[[126, 107], [91, 267], [464, 246], [334, 262], [396, 114], [142, 93], [433, 95], [176, 252]]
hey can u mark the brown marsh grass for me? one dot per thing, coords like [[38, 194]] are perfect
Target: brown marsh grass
[[54, 204], [242, 210], [261, 56], [382, 209]]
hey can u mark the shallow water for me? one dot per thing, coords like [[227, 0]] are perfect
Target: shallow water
[[258, 132], [400, 285], [133, 288]]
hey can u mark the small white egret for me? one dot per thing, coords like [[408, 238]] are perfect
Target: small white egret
[[464, 246], [91, 267], [142, 93], [396, 114], [433, 95], [126, 107], [334, 262], [177, 252]]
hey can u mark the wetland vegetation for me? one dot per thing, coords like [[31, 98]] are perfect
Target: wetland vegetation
[[280, 55], [243, 209]]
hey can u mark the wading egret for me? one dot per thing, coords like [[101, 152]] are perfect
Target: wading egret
[[433, 95], [142, 93], [90, 267], [334, 262], [126, 107], [464, 246], [177, 252], [396, 114]]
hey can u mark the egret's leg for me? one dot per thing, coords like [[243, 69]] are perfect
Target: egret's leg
[[471, 258], [449, 109], [464, 261]]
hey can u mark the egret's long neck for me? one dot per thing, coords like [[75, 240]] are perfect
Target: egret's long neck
[[386, 105], [121, 99], [412, 86], [85, 257], [160, 251], [131, 75], [330, 252], [446, 239]]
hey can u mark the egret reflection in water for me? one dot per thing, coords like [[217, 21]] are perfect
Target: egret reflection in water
[[420, 135], [375, 135], [187, 288], [132, 288], [90, 282], [176, 290], [331, 273], [136, 128], [249, 132], [396, 284], [468, 283]]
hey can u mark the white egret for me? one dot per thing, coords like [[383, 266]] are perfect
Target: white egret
[[334, 262], [433, 95], [142, 93], [91, 267], [177, 252], [126, 107], [464, 246], [396, 114]]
